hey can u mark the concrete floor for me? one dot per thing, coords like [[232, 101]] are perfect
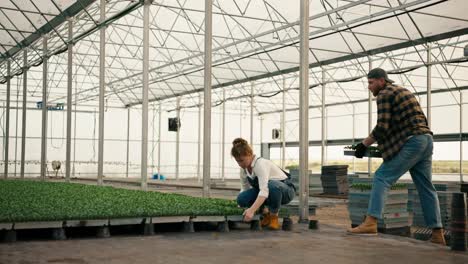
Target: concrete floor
[[330, 244]]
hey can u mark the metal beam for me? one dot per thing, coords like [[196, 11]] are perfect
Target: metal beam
[[434, 91], [24, 111], [69, 99], [144, 108], [16, 126], [429, 84], [177, 165], [369, 121], [102, 91], [304, 112], [354, 135], [207, 99], [461, 137], [453, 137], [49, 26], [283, 127], [128, 143], [44, 108], [223, 138], [74, 128], [159, 138], [251, 113], [235, 43], [7, 120], [199, 138], [322, 147], [348, 57]]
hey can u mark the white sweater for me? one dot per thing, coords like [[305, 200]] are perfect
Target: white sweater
[[264, 170]]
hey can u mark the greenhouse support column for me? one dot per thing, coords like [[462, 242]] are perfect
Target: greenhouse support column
[[207, 99], [128, 142], [283, 127], [240, 130], [304, 113], [261, 130], [461, 136], [159, 138], [44, 110], [429, 85], [7, 119], [144, 106], [223, 139], [16, 125], [69, 98], [354, 135], [23, 112], [369, 123], [251, 112], [74, 126], [323, 120], [177, 140], [240, 118], [153, 115], [102, 90], [199, 139]]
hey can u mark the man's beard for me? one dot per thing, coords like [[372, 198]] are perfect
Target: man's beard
[[378, 90]]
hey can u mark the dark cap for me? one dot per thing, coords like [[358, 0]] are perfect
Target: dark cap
[[379, 73]]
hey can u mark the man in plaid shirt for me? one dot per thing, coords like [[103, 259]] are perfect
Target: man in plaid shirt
[[406, 144]]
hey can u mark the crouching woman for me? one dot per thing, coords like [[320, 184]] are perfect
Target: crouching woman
[[264, 185]]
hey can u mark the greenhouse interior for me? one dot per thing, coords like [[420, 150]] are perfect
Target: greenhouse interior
[[118, 120]]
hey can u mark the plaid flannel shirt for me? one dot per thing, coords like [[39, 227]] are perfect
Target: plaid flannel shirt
[[399, 116]]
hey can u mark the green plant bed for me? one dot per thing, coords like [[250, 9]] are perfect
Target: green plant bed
[[23, 201]]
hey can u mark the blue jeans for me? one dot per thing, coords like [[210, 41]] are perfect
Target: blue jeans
[[415, 156], [279, 193]]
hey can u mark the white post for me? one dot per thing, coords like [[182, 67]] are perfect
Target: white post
[[16, 125], [322, 162], [24, 110], [354, 135], [207, 104], [283, 127], [304, 113], [369, 123], [102, 91], [177, 140], [7, 119], [461, 134], [44, 109], [144, 105], [251, 113], [199, 139], [223, 137], [128, 143], [69, 98], [429, 85], [152, 140], [159, 138], [74, 127]]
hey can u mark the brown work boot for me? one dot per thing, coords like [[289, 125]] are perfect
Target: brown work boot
[[266, 219], [369, 227], [274, 223], [438, 237]]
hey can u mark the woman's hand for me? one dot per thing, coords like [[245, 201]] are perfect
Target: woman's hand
[[248, 215]]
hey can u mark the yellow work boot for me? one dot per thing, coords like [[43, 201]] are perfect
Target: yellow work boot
[[438, 237], [274, 223], [266, 219], [369, 227]]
